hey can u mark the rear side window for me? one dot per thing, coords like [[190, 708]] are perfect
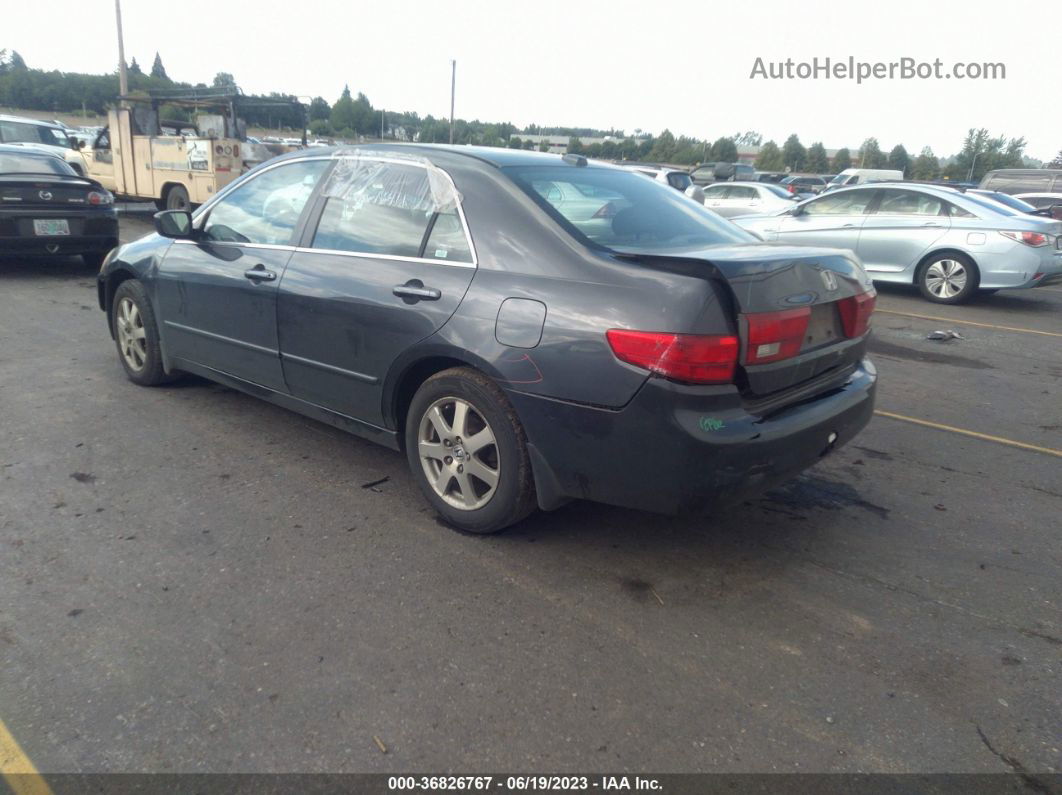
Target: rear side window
[[387, 209], [645, 215], [384, 214], [742, 192], [265, 209], [447, 239], [32, 164], [852, 202], [909, 202], [716, 191]]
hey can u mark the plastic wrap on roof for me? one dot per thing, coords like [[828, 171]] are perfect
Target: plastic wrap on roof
[[362, 175]]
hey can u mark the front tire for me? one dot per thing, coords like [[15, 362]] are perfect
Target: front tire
[[948, 278], [136, 335], [468, 452]]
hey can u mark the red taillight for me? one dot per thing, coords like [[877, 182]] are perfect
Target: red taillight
[[692, 358], [1034, 239], [791, 188], [855, 314], [774, 336], [100, 197]]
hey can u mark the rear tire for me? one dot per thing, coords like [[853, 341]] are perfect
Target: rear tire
[[948, 278], [177, 199], [467, 451], [136, 335]]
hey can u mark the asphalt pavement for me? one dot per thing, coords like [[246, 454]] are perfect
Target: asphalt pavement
[[193, 580]]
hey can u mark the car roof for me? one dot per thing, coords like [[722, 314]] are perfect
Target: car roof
[[26, 119], [497, 157]]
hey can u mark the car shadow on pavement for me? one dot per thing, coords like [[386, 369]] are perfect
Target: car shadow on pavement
[[1014, 300], [55, 267]]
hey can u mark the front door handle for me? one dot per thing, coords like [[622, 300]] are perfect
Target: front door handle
[[259, 274], [416, 291]]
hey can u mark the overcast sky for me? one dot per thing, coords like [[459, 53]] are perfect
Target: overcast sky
[[680, 65]]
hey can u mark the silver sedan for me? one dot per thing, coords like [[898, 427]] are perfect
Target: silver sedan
[[732, 199], [948, 243]]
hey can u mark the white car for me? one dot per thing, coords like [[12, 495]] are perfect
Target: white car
[[733, 199], [676, 178], [34, 133]]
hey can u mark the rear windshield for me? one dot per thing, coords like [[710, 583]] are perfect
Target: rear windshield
[[28, 164], [622, 211], [1010, 201]]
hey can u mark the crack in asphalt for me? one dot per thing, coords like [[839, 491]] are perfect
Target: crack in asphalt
[[1028, 779]]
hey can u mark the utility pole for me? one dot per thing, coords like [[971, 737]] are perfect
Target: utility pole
[[383, 114], [453, 87], [123, 77]]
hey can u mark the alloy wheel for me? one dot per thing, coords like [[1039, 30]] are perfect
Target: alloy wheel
[[132, 339], [459, 453], [946, 278]]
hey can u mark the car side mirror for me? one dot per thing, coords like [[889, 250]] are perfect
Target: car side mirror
[[696, 193], [174, 223], [795, 211], [1056, 212]]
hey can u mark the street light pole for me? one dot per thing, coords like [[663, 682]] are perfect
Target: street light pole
[[453, 87], [969, 177], [123, 77]]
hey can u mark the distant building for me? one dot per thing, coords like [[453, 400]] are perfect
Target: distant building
[[558, 144]]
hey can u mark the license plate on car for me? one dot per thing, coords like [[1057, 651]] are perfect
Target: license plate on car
[[51, 226]]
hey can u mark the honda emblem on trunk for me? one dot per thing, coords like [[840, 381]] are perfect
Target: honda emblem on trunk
[[829, 280], [45, 195]]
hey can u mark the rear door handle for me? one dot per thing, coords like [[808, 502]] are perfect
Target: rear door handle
[[416, 291], [259, 274]]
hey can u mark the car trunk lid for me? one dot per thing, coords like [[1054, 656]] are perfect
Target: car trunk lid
[[39, 190], [799, 312]]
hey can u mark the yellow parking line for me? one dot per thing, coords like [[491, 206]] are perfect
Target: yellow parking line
[[17, 769], [975, 434], [968, 322]]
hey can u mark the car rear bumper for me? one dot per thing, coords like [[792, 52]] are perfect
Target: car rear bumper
[[91, 231], [57, 246], [677, 450]]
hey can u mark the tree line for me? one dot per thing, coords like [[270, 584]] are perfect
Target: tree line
[[354, 115]]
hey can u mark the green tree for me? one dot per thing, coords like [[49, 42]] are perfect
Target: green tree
[[871, 156], [1057, 162], [343, 115], [770, 158], [320, 127], [319, 109], [157, 69], [575, 146], [662, 149], [793, 153], [515, 142], [842, 159], [134, 67], [543, 146], [818, 162], [981, 153], [225, 81], [925, 166], [724, 150], [899, 159]]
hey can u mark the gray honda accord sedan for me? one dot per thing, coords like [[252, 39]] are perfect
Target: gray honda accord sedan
[[527, 328]]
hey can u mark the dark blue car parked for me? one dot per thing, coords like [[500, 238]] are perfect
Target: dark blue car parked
[[527, 328]]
